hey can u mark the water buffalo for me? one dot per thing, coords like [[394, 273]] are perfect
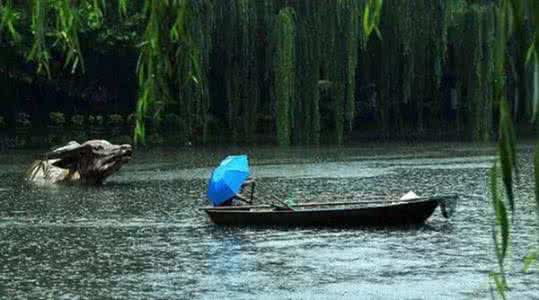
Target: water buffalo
[[89, 163]]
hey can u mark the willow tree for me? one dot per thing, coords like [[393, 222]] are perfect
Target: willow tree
[[179, 50], [60, 33], [173, 52], [484, 102], [474, 44], [284, 69], [243, 61], [352, 34], [308, 60], [153, 66], [407, 65], [192, 36], [175, 56], [188, 46], [345, 37]]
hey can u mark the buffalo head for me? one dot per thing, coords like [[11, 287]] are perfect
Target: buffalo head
[[92, 161]]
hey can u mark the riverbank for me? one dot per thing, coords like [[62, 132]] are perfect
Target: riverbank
[[46, 138]]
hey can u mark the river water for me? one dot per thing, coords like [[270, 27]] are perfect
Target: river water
[[142, 235]]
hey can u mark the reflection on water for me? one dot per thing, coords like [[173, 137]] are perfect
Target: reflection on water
[[143, 236]]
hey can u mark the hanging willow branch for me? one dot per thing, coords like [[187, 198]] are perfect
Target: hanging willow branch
[[174, 57], [191, 44], [65, 28], [371, 18], [284, 68], [509, 12], [152, 68], [9, 18], [67, 34], [39, 52]]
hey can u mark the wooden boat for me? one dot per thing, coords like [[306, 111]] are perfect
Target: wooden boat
[[360, 213]]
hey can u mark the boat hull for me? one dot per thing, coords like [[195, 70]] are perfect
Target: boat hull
[[404, 213]]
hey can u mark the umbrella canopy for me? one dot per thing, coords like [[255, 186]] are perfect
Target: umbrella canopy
[[227, 178]]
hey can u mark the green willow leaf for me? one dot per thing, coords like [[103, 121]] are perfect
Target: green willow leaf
[[535, 97], [501, 216], [366, 20], [39, 52], [378, 33], [74, 65], [284, 66], [530, 260], [536, 172], [371, 17], [504, 225], [140, 135], [507, 172], [517, 13], [122, 8], [507, 152], [530, 53], [500, 286], [9, 19]]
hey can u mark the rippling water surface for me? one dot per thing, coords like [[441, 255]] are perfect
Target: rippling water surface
[[142, 235]]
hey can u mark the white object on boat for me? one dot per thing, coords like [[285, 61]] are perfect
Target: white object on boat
[[409, 196]]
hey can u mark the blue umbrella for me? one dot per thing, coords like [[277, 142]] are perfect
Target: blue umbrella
[[227, 178]]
